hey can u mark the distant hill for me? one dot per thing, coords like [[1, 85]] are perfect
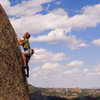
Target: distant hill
[[64, 93]]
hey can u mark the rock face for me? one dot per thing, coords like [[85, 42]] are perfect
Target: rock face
[[13, 83]]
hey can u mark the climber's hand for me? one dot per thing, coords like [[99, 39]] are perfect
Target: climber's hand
[[16, 35]]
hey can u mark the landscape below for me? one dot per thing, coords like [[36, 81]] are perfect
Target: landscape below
[[63, 93]]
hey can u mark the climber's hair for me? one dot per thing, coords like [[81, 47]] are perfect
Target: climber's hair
[[27, 35]]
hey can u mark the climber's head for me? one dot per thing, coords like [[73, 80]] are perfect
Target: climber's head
[[27, 35]]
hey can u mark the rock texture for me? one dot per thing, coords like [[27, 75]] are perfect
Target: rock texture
[[13, 83]]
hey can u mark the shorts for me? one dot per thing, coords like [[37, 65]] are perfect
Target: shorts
[[29, 52]]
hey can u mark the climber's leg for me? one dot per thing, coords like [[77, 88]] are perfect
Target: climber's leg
[[27, 60], [27, 71], [25, 63], [24, 58]]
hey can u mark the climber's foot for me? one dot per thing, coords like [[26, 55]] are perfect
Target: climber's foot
[[25, 67], [27, 75]]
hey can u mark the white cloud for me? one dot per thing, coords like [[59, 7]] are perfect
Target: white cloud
[[59, 35], [93, 74], [34, 75], [57, 21], [42, 55], [57, 70], [73, 71], [86, 19], [5, 4], [58, 2], [83, 45], [25, 8], [39, 23], [52, 37], [46, 69], [50, 66], [90, 17], [76, 63], [96, 42], [95, 71], [85, 70]]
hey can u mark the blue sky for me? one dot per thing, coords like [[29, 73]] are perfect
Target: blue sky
[[65, 35]]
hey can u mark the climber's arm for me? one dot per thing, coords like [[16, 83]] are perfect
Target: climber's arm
[[18, 37], [19, 40]]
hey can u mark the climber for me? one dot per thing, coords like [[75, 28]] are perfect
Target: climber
[[28, 52]]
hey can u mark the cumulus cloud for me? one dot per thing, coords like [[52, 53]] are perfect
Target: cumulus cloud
[[57, 21], [54, 36], [76, 64], [59, 35], [25, 8], [58, 2], [58, 70], [46, 69], [50, 66], [42, 55], [95, 71], [72, 71], [39, 23], [96, 42], [90, 17], [85, 70], [58, 18], [83, 45]]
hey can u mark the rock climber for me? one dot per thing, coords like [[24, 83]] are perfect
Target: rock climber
[[28, 52]]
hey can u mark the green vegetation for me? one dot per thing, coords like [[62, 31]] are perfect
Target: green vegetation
[[66, 93]]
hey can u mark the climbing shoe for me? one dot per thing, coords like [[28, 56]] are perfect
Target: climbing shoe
[[27, 75], [25, 67]]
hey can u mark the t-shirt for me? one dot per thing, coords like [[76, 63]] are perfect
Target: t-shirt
[[25, 43]]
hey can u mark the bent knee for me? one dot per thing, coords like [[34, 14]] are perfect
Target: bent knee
[[23, 54]]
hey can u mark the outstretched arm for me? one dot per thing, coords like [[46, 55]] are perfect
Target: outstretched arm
[[19, 39]]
